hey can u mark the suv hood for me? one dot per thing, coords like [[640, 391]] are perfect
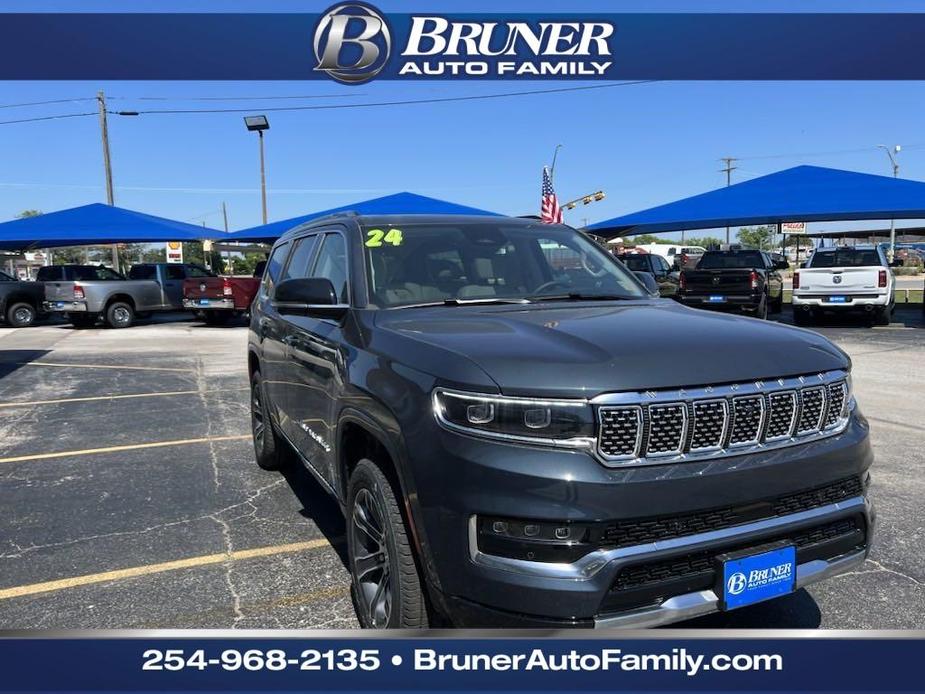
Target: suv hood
[[584, 349]]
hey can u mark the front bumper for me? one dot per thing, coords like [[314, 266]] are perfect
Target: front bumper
[[479, 589], [209, 304], [65, 306]]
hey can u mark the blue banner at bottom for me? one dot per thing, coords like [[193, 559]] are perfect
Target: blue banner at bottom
[[807, 661]]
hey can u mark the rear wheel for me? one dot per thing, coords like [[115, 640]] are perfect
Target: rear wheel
[[20, 315], [882, 316], [802, 317], [269, 447], [778, 305], [761, 312], [386, 584], [119, 314]]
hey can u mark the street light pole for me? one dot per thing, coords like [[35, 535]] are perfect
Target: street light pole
[[107, 166], [263, 179], [729, 169], [890, 153], [552, 168]]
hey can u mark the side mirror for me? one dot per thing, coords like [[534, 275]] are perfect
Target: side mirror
[[781, 265], [308, 296], [648, 281], [896, 262]]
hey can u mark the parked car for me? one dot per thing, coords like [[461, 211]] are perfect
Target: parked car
[[84, 293], [845, 279], [222, 298], [20, 302], [741, 280], [666, 279], [679, 257], [513, 443]]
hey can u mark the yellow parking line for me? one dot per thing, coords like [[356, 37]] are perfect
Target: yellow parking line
[[135, 571], [104, 366], [117, 449], [120, 397]]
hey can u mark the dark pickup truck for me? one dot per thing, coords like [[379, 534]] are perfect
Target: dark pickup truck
[[513, 430], [20, 302], [742, 280], [666, 279]]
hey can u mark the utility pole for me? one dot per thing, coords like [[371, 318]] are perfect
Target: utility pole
[[890, 153], [228, 268], [729, 169], [107, 166]]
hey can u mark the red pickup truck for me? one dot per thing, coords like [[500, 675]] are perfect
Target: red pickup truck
[[222, 298]]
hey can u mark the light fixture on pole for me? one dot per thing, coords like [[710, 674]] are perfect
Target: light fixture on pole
[[892, 152], [259, 124]]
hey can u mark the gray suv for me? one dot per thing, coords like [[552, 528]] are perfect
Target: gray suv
[[513, 428]]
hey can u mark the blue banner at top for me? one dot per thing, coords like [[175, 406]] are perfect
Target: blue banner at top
[[354, 43]]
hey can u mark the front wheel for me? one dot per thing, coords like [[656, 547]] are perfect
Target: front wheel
[[20, 315], [119, 314], [269, 447], [386, 584]]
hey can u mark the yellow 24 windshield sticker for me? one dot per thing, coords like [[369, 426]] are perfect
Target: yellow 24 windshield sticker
[[375, 238]]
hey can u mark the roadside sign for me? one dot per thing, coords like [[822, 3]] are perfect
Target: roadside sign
[[174, 252], [793, 228]]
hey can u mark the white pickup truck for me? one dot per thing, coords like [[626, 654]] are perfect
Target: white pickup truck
[[849, 278]]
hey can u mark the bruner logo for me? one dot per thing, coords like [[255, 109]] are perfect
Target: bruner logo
[[352, 42], [736, 583]]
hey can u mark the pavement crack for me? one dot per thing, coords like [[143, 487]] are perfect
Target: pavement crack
[[880, 568], [228, 566]]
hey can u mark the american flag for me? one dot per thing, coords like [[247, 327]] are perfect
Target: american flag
[[550, 212]]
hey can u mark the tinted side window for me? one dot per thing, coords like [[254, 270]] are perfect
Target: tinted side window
[[49, 274], [332, 263], [274, 266], [661, 264], [176, 272], [300, 257], [142, 272]]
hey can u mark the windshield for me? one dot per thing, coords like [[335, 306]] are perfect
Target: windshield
[[722, 261], [636, 263], [432, 263], [845, 257]]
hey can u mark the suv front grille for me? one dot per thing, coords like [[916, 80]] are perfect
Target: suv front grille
[[714, 421], [639, 531]]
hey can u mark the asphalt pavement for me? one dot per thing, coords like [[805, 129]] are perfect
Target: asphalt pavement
[[131, 498]]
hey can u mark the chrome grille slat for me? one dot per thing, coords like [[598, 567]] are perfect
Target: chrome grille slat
[[636, 428]]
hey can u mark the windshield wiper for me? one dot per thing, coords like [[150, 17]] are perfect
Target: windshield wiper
[[578, 296], [466, 302]]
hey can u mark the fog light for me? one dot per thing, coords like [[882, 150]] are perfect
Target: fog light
[[499, 527], [563, 533], [531, 530], [537, 418], [481, 413]]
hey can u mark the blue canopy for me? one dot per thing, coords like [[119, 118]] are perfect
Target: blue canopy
[[800, 194], [399, 203], [96, 224]]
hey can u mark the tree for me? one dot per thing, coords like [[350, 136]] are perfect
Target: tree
[[28, 213], [703, 241], [757, 237]]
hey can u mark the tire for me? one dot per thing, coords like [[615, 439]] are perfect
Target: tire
[[778, 305], [119, 314], [20, 315], [82, 320], [761, 313], [801, 317], [386, 584], [269, 447], [216, 317], [882, 316]]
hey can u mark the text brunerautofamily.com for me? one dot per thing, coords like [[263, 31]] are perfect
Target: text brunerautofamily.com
[[677, 660]]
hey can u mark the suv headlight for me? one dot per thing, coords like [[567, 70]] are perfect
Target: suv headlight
[[566, 423]]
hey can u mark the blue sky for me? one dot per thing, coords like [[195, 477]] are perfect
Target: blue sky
[[643, 145]]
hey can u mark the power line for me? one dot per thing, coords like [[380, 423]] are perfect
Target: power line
[[401, 102], [63, 115], [236, 98], [44, 103]]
